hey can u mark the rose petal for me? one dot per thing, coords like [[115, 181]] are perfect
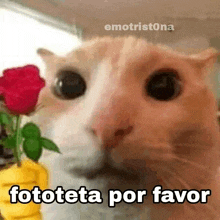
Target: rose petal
[[21, 87], [22, 104]]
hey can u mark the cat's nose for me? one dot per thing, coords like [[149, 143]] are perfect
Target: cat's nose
[[111, 136]]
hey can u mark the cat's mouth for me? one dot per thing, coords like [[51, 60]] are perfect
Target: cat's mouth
[[105, 167], [106, 171], [108, 176], [132, 171]]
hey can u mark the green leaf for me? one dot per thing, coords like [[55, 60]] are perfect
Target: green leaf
[[10, 142], [31, 130], [32, 148], [5, 118], [49, 145]]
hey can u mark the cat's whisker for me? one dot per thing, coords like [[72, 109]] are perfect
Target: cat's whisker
[[174, 175], [39, 107], [192, 163], [196, 145], [213, 211], [193, 181], [168, 185], [208, 207]]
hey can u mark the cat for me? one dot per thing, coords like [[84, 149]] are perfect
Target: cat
[[129, 114]]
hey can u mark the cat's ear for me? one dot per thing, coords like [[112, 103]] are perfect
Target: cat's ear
[[207, 58], [45, 54]]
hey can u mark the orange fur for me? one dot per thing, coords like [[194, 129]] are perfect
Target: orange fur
[[177, 141]]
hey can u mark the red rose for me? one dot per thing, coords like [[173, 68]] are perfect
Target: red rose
[[20, 88]]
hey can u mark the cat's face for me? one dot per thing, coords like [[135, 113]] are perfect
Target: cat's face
[[121, 108]]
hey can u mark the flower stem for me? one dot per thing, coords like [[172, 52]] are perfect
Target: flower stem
[[17, 147]]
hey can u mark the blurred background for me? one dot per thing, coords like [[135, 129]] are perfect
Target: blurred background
[[61, 25]]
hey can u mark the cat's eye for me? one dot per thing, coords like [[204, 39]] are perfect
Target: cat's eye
[[69, 84], [163, 85]]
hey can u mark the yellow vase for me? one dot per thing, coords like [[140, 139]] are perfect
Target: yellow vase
[[27, 176]]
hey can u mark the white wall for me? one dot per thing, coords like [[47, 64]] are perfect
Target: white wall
[[21, 36]]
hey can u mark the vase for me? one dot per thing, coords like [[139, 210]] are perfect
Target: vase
[[28, 175]]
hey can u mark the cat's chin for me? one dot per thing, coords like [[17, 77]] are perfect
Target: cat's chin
[[101, 170], [109, 177]]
